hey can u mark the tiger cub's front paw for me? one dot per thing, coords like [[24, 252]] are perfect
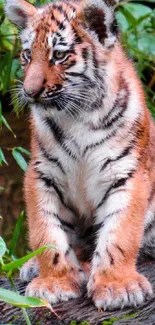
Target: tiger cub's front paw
[[111, 294], [56, 289]]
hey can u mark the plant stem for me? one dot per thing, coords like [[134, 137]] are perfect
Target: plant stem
[[25, 314]]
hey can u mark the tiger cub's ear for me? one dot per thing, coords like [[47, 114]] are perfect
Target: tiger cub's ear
[[99, 17], [19, 11]]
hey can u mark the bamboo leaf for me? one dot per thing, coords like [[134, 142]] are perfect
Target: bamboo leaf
[[2, 157], [26, 152], [19, 159], [7, 125], [17, 300]]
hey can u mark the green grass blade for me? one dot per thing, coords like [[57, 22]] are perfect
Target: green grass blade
[[16, 233], [18, 263], [2, 247]]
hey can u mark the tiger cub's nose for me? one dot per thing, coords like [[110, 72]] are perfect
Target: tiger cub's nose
[[31, 92]]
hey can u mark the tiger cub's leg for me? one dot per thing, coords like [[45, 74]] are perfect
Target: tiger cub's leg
[[114, 281], [148, 242], [30, 270], [60, 273]]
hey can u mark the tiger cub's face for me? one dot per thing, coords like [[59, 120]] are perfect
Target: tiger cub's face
[[64, 47]]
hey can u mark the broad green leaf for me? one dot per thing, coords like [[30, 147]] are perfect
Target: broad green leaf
[[19, 262], [1, 188], [2, 247], [137, 10], [122, 21], [17, 300], [7, 125], [130, 19], [23, 151], [2, 157], [19, 159], [16, 233]]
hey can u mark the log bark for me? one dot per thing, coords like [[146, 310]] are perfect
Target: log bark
[[82, 309]]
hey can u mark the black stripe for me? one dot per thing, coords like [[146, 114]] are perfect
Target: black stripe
[[36, 163], [60, 9], [119, 183], [94, 145], [97, 254], [51, 183], [124, 153], [55, 20], [113, 133], [116, 117], [57, 132], [59, 136], [77, 38], [85, 54], [64, 223], [121, 250], [110, 257], [82, 77], [68, 251], [96, 69], [121, 103], [49, 158], [56, 258], [71, 64]]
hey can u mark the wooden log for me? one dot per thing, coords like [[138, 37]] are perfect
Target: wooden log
[[82, 309]]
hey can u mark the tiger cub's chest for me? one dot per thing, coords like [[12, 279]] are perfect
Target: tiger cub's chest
[[84, 187]]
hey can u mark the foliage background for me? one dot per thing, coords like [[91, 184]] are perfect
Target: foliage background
[[137, 32]]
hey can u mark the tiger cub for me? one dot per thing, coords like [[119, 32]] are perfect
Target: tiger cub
[[90, 185]]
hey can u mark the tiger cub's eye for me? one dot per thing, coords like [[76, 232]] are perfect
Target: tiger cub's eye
[[27, 55], [59, 55]]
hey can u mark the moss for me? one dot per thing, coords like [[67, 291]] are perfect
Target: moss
[[15, 317], [81, 323], [110, 321], [128, 316], [115, 319]]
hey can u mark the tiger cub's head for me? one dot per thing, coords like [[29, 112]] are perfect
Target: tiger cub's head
[[64, 48]]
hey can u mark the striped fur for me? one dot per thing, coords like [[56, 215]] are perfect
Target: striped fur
[[90, 185]]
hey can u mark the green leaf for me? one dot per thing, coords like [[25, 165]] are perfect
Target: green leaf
[[2, 247], [2, 157], [137, 10], [26, 152], [16, 233], [19, 159], [146, 43], [17, 300], [1, 188], [19, 262], [128, 15], [7, 125]]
